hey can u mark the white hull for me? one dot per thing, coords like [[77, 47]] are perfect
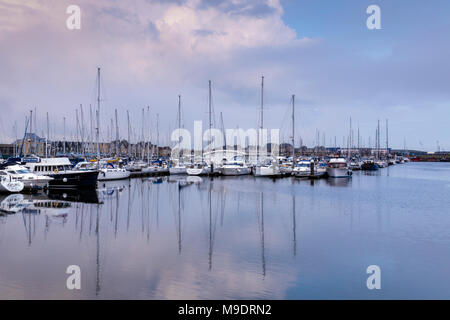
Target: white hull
[[301, 172], [197, 171], [113, 174], [235, 171], [11, 186], [177, 170], [339, 172], [270, 171], [286, 170]]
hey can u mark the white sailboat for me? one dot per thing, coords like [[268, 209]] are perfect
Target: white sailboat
[[237, 167], [177, 167], [109, 169], [265, 168]]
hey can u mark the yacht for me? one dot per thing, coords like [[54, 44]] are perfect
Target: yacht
[[30, 180], [338, 168], [381, 163], [177, 169], [369, 165], [198, 169], [302, 169], [63, 174], [267, 170], [235, 168], [110, 172], [355, 164], [107, 170]]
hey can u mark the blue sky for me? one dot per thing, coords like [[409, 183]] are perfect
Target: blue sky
[[150, 51]]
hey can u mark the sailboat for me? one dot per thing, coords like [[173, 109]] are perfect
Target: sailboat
[[266, 168], [109, 169], [176, 167], [202, 167]]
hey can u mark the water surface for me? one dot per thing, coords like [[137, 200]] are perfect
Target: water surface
[[235, 238]]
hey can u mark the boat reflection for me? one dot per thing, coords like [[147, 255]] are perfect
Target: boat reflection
[[85, 196], [341, 182]]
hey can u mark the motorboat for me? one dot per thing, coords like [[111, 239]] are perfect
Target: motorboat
[[30, 180], [369, 165], [235, 168], [63, 174], [381, 163], [267, 170], [355, 164], [302, 169], [338, 168], [109, 172]]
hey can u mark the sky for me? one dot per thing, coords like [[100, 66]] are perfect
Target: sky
[[150, 51]]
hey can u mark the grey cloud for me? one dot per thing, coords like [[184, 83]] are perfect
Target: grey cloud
[[245, 8]]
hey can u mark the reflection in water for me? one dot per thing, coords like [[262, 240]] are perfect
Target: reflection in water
[[346, 225], [260, 218]]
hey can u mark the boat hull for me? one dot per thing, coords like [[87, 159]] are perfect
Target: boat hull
[[177, 170], [11, 186], [369, 166], [73, 180], [339, 172], [235, 171], [271, 171], [106, 175], [197, 171]]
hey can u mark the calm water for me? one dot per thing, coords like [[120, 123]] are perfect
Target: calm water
[[235, 238]]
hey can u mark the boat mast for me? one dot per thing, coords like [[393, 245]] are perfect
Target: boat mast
[[149, 136], [117, 136], [179, 128], [378, 139], [350, 139], [91, 138], [82, 129], [31, 131], [64, 135], [77, 126], [387, 140], [98, 117], [129, 142], [293, 130], [223, 131], [210, 121], [46, 140], [157, 135], [261, 123]]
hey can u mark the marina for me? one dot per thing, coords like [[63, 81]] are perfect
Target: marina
[[224, 155], [183, 237]]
